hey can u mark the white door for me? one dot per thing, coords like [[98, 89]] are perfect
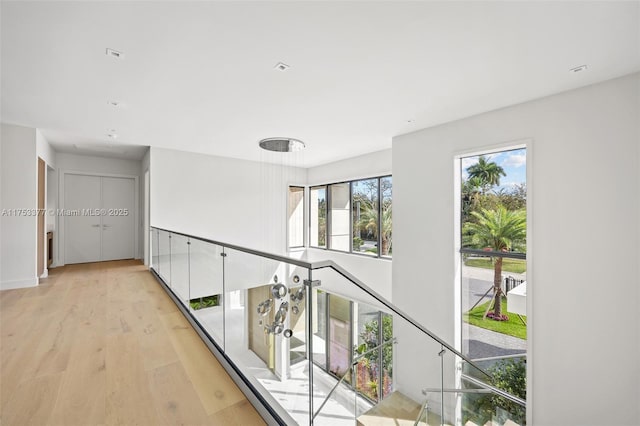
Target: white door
[[83, 231], [104, 226], [118, 227]]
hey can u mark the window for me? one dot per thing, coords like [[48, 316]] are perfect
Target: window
[[353, 216], [353, 339], [365, 216], [296, 216], [386, 222], [493, 236], [340, 201], [318, 213]]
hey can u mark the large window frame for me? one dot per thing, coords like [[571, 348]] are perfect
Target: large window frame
[[329, 216], [303, 227], [353, 342]]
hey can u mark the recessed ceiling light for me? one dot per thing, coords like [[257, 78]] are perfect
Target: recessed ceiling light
[[115, 103], [281, 66], [114, 53], [578, 69]]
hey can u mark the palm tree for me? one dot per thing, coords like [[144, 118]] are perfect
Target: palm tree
[[471, 191], [498, 230], [369, 220], [487, 171]]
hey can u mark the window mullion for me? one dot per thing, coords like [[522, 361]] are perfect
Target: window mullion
[[379, 217], [329, 214], [351, 206]]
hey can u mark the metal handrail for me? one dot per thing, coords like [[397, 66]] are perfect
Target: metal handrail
[[340, 270], [495, 358], [495, 390], [454, 390], [254, 252], [346, 274]]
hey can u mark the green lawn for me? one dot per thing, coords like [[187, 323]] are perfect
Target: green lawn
[[516, 266], [513, 327]]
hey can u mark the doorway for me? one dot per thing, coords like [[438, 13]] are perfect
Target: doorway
[[42, 170], [99, 218]]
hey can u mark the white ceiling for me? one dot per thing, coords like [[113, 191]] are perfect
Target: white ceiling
[[199, 76]]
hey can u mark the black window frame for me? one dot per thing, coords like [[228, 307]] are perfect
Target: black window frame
[[327, 189]]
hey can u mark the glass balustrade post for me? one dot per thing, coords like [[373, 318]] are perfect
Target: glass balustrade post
[[170, 260], [223, 255], [309, 316], [441, 355], [189, 274]]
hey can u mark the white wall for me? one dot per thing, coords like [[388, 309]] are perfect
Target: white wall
[[44, 150], [93, 164], [364, 166], [19, 191], [98, 165], [229, 200], [584, 333]]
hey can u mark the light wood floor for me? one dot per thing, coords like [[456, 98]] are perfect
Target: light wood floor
[[102, 344]]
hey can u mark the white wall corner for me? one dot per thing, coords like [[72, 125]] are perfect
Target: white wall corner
[[10, 285]]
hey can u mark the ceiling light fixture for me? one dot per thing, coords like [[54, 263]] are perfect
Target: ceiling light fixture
[[578, 69], [115, 103], [281, 66], [281, 144], [114, 53]]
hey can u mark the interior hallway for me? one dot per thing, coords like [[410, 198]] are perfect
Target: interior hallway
[[102, 343]]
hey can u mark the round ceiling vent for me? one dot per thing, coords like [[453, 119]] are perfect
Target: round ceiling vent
[[281, 144]]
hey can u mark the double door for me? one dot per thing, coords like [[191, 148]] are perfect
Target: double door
[[99, 218]]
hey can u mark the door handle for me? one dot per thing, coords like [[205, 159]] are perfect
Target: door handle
[[106, 226], [95, 226]]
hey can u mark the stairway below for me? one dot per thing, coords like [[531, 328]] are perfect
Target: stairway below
[[398, 410]]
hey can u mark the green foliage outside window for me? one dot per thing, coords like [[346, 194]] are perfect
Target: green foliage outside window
[[509, 375]]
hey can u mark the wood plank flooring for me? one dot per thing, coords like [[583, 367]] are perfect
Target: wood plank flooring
[[102, 344]]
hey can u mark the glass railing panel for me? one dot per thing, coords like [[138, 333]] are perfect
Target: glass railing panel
[[265, 326], [180, 267], [390, 361], [154, 248], [164, 256], [321, 347], [206, 287], [489, 407], [508, 374]]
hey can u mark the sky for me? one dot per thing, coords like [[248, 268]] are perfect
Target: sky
[[513, 162]]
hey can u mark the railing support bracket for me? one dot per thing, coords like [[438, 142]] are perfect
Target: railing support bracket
[[312, 283]]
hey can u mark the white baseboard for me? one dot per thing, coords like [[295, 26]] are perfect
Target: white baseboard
[[45, 274], [9, 285]]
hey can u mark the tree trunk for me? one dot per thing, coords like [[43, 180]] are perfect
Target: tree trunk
[[384, 250], [497, 288]]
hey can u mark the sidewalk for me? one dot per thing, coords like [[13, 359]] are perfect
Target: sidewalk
[[487, 274], [483, 343]]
